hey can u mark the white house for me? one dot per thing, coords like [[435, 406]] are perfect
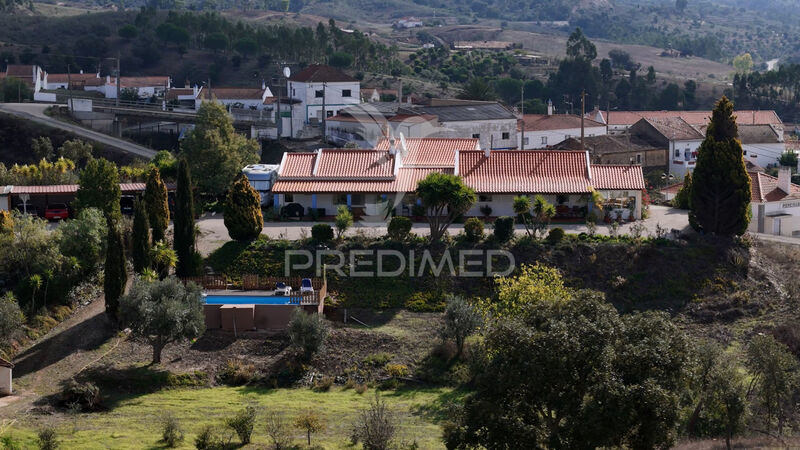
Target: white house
[[365, 124], [5, 377], [375, 182], [674, 134], [32, 75], [76, 81], [490, 122], [775, 203], [255, 99], [144, 87], [407, 22], [762, 144], [543, 130], [315, 89]]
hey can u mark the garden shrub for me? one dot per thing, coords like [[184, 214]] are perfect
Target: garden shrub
[[322, 232], [236, 373], [399, 228], [47, 439], [210, 439], [85, 396], [424, 301], [242, 424], [397, 370], [171, 434], [307, 333], [556, 235], [473, 228], [503, 229], [323, 384], [378, 359]]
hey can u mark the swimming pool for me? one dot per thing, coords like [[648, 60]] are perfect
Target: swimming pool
[[245, 300]]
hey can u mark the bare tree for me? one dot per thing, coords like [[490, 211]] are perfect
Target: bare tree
[[375, 427]]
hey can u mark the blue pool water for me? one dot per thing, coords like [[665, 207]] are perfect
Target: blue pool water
[[245, 300]]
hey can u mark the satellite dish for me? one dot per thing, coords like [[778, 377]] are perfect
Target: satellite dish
[[287, 72]]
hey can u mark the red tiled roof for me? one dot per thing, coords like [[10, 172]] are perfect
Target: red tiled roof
[[226, 93], [515, 171], [69, 188], [298, 164], [543, 122], [357, 164], [137, 82], [95, 82], [173, 93], [764, 188], [672, 189], [626, 177], [318, 73], [674, 128], [20, 70], [406, 181], [431, 152], [64, 77], [744, 117]]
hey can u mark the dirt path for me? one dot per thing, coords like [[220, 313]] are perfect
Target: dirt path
[[42, 368]]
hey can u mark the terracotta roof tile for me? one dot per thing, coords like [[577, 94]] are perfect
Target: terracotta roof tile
[[64, 77], [137, 82], [357, 164], [431, 152], [69, 188], [764, 188], [627, 177], [298, 164], [227, 93], [674, 128], [317, 73], [543, 122], [516, 171], [744, 117]]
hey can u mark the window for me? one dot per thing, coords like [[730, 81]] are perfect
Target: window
[[638, 158], [346, 93], [484, 198], [476, 136], [744, 152], [319, 93], [677, 153], [357, 199], [687, 154], [288, 198], [293, 94], [340, 199], [328, 113], [506, 135], [544, 140], [525, 141]]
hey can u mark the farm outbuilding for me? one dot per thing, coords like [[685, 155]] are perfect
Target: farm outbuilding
[[5, 377]]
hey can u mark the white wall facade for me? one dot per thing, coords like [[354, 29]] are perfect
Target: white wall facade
[[763, 154], [541, 139], [490, 132], [5, 381], [336, 97], [776, 218], [681, 157]]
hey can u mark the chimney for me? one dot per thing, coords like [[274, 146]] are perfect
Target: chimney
[[785, 179], [549, 107], [194, 90], [392, 148], [487, 152], [81, 71], [263, 85]]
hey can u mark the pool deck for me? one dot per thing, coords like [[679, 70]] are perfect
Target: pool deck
[[242, 293]]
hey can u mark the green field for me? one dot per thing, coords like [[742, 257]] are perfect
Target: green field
[[134, 422]]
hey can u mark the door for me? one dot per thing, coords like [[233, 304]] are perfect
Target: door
[[776, 227]]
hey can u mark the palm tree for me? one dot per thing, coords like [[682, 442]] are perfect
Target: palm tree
[[477, 89]]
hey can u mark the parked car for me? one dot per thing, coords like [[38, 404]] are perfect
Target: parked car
[[56, 211], [126, 204]]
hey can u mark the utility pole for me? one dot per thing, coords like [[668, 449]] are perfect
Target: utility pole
[[522, 112], [324, 113], [69, 85], [278, 118], [583, 114], [119, 86], [400, 92]]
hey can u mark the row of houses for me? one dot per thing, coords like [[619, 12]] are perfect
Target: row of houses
[[381, 180]]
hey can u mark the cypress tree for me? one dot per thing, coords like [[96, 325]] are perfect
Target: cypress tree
[[720, 193], [155, 197], [116, 276], [682, 198], [141, 238], [184, 221], [243, 217]]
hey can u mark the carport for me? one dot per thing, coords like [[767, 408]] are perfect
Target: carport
[[41, 196]]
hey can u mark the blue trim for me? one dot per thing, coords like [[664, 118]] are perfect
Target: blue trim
[[314, 201], [276, 200], [349, 201]]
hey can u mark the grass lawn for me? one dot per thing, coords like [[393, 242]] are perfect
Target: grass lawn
[[134, 422]]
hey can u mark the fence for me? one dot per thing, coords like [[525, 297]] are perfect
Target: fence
[[259, 283]]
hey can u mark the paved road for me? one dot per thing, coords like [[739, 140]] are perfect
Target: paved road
[[214, 234], [35, 113]]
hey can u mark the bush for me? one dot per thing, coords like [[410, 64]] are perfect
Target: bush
[[322, 232], [236, 373], [556, 235], [242, 424], [425, 301], [375, 427], [461, 319], [503, 229], [486, 210], [310, 422], [473, 228], [323, 384], [344, 220], [418, 211], [397, 370], [171, 434], [378, 359], [11, 317], [209, 439], [307, 333], [399, 228], [85, 396], [361, 388], [47, 439], [278, 431]]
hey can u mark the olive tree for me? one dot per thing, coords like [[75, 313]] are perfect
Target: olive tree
[[163, 312]]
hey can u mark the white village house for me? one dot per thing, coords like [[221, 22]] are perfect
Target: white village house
[[255, 99], [621, 121], [489, 122], [374, 182], [314, 89], [75, 81], [674, 134], [543, 130]]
